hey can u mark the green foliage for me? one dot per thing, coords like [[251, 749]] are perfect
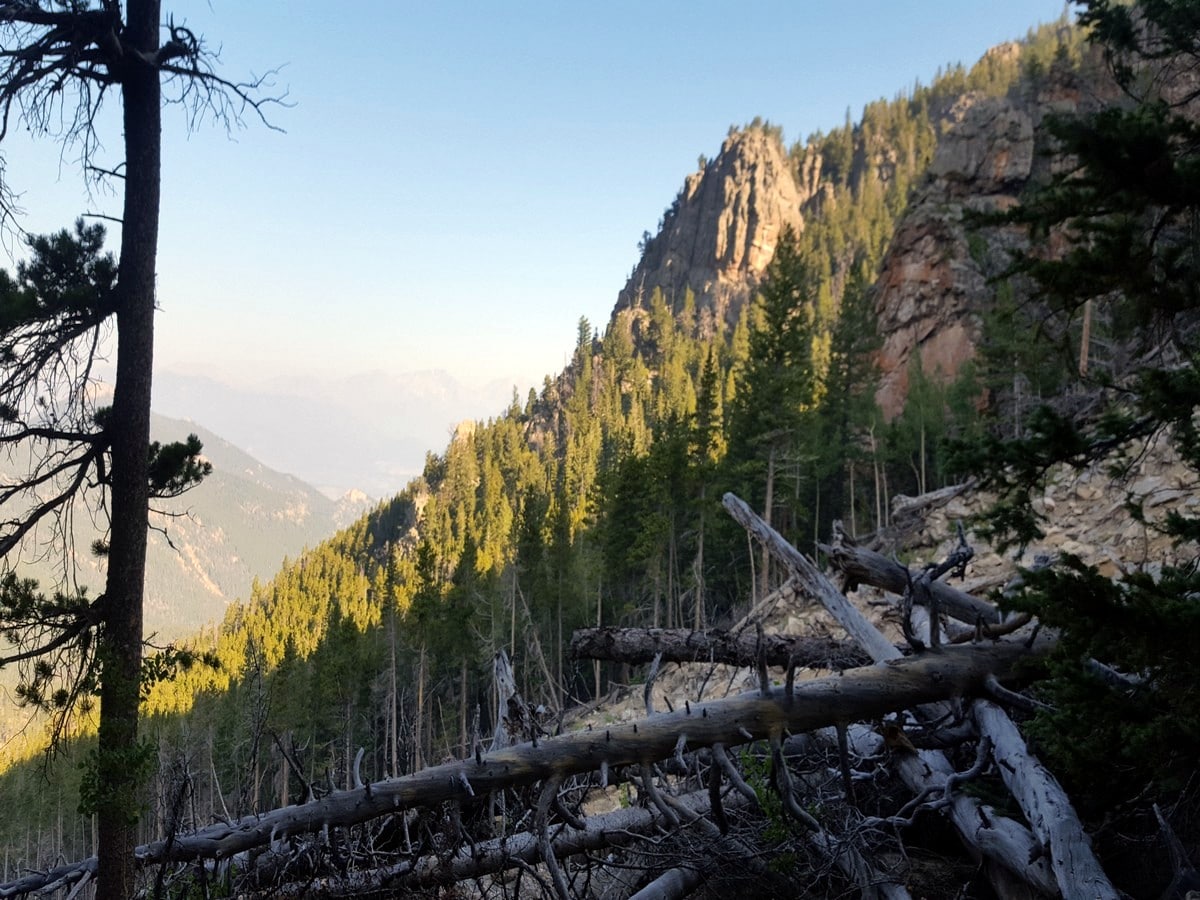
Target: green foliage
[[96, 789], [1127, 207], [66, 278], [594, 501], [1108, 743], [176, 467]]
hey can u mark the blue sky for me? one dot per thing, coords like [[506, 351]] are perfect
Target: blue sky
[[457, 183]]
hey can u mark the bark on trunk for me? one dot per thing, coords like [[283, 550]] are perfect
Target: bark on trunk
[[863, 566], [121, 636], [640, 645]]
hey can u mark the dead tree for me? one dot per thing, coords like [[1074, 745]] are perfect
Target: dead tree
[[60, 62], [863, 693], [1042, 800], [680, 645]]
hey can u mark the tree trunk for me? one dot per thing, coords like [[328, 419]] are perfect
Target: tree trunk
[[118, 764], [640, 645], [1046, 806], [857, 694], [419, 719], [861, 566], [765, 563]]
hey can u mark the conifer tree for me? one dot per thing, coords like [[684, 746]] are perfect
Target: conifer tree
[[61, 61], [1128, 205], [776, 388]]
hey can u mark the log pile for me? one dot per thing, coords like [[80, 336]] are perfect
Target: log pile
[[704, 783]]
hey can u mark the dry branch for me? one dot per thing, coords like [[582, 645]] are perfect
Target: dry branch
[[862, 566], [616, 829], [999, 839], [810, 580], [857, 694], [640, 645]]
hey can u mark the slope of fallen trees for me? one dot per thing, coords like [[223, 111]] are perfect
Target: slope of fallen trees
[[863, 693], [301, 850]]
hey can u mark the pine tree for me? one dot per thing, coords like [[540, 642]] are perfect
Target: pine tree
[[777, 387], [1128, 205]]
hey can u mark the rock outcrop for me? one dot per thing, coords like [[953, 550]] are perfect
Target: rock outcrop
[[929, 286], [719, 234], [933, 283]]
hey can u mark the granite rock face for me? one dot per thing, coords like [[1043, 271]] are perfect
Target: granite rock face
[[719, 234], [929, 286], [933, 283]]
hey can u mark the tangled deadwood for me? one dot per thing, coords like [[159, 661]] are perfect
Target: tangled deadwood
[[697, 813]]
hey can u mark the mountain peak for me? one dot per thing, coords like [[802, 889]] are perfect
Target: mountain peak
[[718, 235]]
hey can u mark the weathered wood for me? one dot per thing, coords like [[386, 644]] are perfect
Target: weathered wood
[[812, 581], [857, 694], [1046, 806], [862, 566], [640, 645], [616, 829], [863, 693], [997, 838], [721, 850]]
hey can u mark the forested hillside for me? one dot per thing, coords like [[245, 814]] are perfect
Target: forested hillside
[[596, 500]]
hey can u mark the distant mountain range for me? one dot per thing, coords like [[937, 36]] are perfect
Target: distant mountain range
[[370, 432], [237, 525]]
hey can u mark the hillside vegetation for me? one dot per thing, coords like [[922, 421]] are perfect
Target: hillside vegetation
[[596, 500]]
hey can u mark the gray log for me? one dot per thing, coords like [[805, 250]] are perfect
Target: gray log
[[1046, 806], [864, 693], [863, 566], [999, 839], [640, 645]]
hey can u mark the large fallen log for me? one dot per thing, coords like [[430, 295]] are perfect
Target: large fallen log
[[857, 694], [1046, 806], [1042, 800], [641, 645]]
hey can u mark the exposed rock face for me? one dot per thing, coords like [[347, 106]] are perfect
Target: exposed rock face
[[933, 281], [929, 286], [721, 231]]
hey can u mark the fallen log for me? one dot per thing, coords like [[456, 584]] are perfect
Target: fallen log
[[616, 829], [1046, 806], [863, 693], [862, 566], [679, 645], [1003, 841], [810, 580]]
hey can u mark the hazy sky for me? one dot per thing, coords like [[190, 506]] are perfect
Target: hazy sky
[[459, 182]]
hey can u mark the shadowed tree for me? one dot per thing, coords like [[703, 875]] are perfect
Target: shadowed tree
[[1125, 202], [59, 63]]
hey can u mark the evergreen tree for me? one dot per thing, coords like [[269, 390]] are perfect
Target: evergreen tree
[[1129, 207], [61, 62], [777, 388]]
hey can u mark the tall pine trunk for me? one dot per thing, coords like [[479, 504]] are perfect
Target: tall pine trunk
[[119, 773]]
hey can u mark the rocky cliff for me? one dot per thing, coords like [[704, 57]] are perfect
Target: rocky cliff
[[719, 234], [988, 144], [934, 281]]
